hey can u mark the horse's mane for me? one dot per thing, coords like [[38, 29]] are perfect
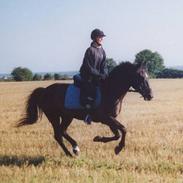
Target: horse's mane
[[123, 67]]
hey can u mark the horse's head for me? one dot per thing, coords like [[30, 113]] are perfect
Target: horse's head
[[140, 82]]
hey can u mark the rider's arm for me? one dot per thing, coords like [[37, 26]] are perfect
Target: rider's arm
[[104, 68], [89, 63]]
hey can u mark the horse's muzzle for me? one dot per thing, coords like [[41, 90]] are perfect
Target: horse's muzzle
[[148, 96]]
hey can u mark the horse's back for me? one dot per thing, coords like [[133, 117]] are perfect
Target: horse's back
[[54, 94]]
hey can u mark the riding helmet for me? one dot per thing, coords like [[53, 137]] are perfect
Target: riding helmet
[[97, 33]]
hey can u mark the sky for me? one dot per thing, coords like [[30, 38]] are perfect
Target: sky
[[53, 35]]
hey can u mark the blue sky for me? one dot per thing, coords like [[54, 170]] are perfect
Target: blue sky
[[52, 35]]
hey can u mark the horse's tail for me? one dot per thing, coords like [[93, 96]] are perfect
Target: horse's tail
[[33, 109]]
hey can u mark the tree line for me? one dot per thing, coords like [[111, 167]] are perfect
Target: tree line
[[25, 74], [153, 61]]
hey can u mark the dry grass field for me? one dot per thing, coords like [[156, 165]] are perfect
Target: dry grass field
[[154, 143]]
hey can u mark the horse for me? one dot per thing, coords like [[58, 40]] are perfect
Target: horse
[[50, 101]]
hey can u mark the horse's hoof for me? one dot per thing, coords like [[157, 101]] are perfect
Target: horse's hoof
[[118, 149], [76, 150], [97, 139]]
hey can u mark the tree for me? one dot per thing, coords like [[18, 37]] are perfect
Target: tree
[[110, 64], [22, 74], [37, 77], [48, 76], [57, 76], [153, 60]]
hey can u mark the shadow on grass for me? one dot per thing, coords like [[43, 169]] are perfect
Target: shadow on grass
[[6, 160]]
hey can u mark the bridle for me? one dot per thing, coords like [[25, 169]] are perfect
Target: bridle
[[140, 87]]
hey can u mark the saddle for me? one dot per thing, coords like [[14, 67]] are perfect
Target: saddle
[[81, 93]]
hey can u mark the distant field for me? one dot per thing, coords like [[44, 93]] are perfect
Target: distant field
[[154, 143]]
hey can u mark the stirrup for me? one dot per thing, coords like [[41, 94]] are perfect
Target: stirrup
[[88, 119]]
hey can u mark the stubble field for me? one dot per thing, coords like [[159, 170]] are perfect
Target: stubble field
[[154, 143]]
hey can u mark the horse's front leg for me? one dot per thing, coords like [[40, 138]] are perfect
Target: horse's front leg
[[114, 124], [116, 136], [122, 141]]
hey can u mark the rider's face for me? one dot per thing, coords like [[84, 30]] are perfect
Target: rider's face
[[99, 40]]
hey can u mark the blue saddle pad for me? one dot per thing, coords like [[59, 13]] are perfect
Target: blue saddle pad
[[72, 98]]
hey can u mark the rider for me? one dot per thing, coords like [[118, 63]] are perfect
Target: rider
[[93, 70]]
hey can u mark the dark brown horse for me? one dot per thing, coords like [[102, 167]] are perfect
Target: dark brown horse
[[50, 100]]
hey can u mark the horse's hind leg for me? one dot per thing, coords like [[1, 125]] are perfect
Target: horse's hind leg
[[58, 133], [66, 121]]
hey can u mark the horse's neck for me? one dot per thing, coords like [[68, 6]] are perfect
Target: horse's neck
[[115, 91]]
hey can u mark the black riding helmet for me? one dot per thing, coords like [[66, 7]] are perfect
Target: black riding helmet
[[97, 33]]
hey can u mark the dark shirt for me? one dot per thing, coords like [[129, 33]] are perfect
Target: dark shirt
[[94, 63]]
